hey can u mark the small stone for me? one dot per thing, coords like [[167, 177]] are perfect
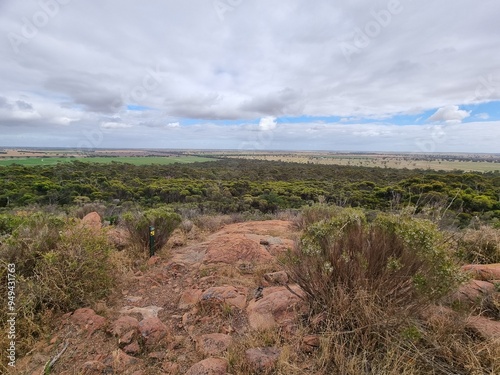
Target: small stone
[[152, 330], [213, 343], [170, 368], [88, 320], [153, 260], [127, 337], [94, 368], [225, 294], [123, 325], [262, 359], [132, 348], [279, 278], [310, 343], [122, 361], [209, 366], [157, 355]]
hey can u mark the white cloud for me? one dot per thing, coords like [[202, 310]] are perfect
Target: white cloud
[[259, 62], [115, 125], [267, 123], [483, 116], [449, 114]]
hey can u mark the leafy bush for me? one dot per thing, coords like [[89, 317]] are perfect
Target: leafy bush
[[368, 284], [59, 268], [314, 214], [163, 219]]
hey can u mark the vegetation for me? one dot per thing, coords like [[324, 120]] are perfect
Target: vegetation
[[163, 219], [230, 186], [59, 268], [369, 284], [377, 257], [147, 160]]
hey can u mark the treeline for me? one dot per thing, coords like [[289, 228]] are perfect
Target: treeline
[[232, 185]]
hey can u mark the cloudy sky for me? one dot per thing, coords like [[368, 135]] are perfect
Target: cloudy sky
[[357, 75]]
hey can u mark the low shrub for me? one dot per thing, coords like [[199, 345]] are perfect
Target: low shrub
[[163, 219], [315, 213], [368, 284], [59, 267]]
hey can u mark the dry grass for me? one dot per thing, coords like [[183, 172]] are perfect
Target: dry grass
[[368, 287], [481, 245]]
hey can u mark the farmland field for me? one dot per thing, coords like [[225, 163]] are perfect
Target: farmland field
[[145, 160], [458, 162]]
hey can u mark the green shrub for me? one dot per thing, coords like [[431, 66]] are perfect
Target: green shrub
[[368, 284], [163, 219], [314, 214], [59, 268]]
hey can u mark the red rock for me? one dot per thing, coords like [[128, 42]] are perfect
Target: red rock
[[127, 338], [91, 221], [157, 355], [473, 291], [262, 359], [213, 344], [209, 366], [487, 328], [310, 343], [87, 319], [122, 361], [277, 307], [484, 272], [118, 237], [94, 368], [171, 368], [280, 277], [123, 325], [236, 248], [146, 312], [153, 260], [226, 294], [132, 348], [152, 330], [189, 298]]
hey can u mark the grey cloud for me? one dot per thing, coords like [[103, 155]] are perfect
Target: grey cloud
[[22, 105], [180, 60], [286, 101], [4, 103], [87, 91]]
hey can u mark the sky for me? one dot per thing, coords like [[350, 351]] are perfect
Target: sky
[[345, 75]]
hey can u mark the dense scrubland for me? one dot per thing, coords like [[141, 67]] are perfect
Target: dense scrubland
[[379, 249], [239, 186]]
